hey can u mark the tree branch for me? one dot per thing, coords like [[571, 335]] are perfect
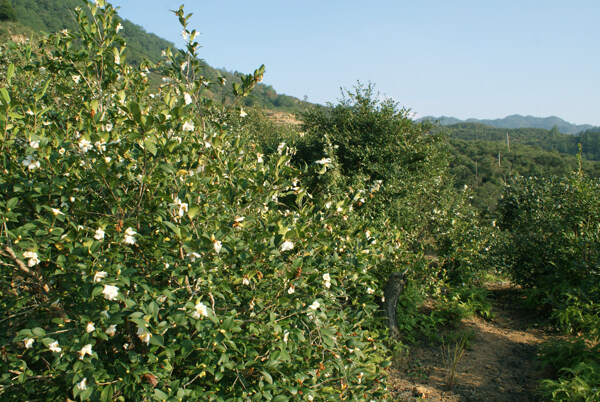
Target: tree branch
[[20, 265]]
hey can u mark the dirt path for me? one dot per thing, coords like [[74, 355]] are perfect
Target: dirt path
[[498, 365]]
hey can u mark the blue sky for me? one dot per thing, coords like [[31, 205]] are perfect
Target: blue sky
[[477, 58]]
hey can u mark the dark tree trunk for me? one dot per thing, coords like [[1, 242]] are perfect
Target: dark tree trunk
[[392, 291]]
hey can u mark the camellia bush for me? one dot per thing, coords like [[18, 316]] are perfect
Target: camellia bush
[[553, 236], [150, 250], [552, 247]]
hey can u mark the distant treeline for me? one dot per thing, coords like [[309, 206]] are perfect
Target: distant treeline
[[482, 159], [551, 140]]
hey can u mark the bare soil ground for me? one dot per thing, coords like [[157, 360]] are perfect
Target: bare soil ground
[[498, 364]]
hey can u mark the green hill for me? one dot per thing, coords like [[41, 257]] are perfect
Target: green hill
[[549, 140], [34, 17]]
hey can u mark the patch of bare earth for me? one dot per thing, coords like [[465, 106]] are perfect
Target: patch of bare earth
[[280, 117], [498, 364]]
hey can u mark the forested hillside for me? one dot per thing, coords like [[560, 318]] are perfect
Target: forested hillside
[[550, 140], [484, 158], [36, 16]]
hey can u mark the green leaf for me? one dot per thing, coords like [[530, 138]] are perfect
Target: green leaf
[[267, 377], [153, 309], [159, 395], [10, 72], [193, 211], [228, 323], [38, 331], [150, 146], [41, 94], [5, 96], [107, 393], [12, 203], [157, 339]]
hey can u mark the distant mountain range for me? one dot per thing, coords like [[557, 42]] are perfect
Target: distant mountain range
[[518, 121]]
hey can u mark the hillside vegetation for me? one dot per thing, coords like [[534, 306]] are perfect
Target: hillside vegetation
[[160, 239], [36, 16]]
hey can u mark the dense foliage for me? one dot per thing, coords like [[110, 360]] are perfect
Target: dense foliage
[[552, 247], [549, 140], [7, 12], [486, 166], [371, 146], [151, 250]]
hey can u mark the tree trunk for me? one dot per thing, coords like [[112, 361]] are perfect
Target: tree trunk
[[392, 291]]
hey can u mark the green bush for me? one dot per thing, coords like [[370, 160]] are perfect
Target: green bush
[[151, 251], [553, 243]]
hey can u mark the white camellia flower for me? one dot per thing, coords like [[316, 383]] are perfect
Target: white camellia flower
[[29, 343], [86, 350], [370, 291], [193, 256], [54, 347], [99, 275], [82, 385], [286, 245], [76, 78], [117, 59], [110, 292], [188, 126], [34, 144], [129, 236], [99, 235], [291, 290], [119, 27], [245, 281], [183, 206], [217, 245], [260, 157], [111, 331], [144, 335], [327, 280], [242, 113], [90, 327], [201, 310], [100, 145], [33, 258], [286, 334], [84, 145], [30, 163], [187, 98], [280, 148], [324, 161], [56, 211], [315, 305]]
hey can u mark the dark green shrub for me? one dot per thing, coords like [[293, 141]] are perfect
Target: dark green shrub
[[552, 246], [7, 12]]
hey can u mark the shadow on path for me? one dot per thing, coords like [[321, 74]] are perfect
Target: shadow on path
[[499, 364]]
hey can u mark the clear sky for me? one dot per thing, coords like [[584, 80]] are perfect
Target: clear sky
[[461, 58]]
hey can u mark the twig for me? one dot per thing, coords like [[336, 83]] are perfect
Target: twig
[[35, 274]]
